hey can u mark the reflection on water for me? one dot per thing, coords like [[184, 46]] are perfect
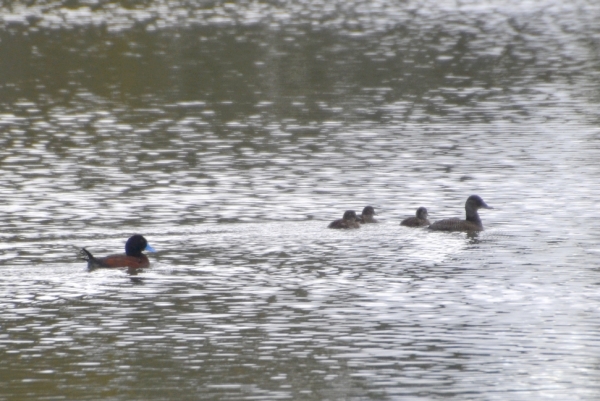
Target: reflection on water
[[230, 135]]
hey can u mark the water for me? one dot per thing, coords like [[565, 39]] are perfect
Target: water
[[231, 134]]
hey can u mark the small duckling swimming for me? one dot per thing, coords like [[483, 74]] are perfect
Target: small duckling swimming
[[348, 221], [472, 222], [420, 220], [367, 215]]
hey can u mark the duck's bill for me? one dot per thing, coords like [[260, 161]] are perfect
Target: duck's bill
[[149, 248]]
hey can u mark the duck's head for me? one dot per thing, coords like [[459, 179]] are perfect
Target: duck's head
[[349, 215], [369, 211], [136, 244], [475, 202]]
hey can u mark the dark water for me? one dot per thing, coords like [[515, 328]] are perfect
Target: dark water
[[231, 134]]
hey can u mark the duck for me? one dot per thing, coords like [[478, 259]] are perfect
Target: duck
[[133, 257], [347, 221], [419, 220], [471, 223], [367, 215]]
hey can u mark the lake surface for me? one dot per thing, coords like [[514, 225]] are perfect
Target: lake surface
[[231, 134]]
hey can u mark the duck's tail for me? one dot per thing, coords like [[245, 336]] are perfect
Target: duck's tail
[[86, 255]]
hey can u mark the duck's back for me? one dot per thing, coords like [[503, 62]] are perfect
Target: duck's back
[[134, 262], [455, 224], [341, 223], [119, 260], [336, 224], [414, 222]]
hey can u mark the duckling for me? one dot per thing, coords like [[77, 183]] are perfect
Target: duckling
[[367, 215], [347, 221], [420, 220]]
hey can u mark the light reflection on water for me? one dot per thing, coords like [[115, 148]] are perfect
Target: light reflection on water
[[230, 135], [412, 312]]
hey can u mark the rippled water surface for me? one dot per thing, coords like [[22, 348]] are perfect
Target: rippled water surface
[[231, 134]]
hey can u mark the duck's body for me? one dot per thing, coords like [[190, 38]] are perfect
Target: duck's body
[[472, 221], [419, 220], [348, 221], [367, 215], [133, 257], [117, 260]]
